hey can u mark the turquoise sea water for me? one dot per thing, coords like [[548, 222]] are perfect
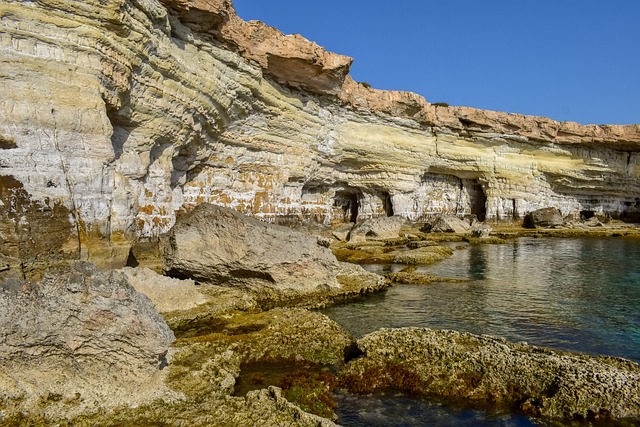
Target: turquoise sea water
[[572, 294]]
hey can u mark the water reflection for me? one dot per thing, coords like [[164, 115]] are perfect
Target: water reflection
[[477, 263], [575, 294]]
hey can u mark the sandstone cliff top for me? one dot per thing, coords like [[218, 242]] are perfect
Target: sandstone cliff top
[[297, 62]]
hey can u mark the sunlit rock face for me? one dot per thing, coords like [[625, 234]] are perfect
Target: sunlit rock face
[[116, 115]]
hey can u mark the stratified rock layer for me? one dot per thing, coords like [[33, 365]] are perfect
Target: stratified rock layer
[[116, 115], [457, 366], [78, 338]]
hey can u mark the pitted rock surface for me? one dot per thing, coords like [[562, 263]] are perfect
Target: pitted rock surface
[[218, 245], [459, 366], [78, 337]]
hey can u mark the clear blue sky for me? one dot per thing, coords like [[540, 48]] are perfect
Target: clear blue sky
[[576, 60]]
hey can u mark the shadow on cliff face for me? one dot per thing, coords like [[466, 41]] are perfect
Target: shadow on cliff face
[[36, 234], [632, 212]]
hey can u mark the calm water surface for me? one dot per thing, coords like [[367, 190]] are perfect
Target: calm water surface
[[571, 294]]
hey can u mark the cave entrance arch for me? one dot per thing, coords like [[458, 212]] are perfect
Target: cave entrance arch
[[348, 200], [387, 204], [477, 199]]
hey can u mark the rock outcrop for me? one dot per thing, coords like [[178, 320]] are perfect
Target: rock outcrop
[[117, 115], [545, 217], [76, 338], [213, 244], [447, 224], [457, 366], [377, 229], [166, 293]]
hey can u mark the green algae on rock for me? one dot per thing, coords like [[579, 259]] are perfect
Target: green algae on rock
[[462, 367], [375, 254], [409, 276]]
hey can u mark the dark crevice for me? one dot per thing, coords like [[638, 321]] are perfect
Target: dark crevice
[[478, 200], [387, 203], [352, 352], [131, 260], [7, 143], [349, 201], [121, 131]]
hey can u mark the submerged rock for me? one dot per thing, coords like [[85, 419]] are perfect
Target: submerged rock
[[379, 254], [76, 338], [458, 366], [409, 276]]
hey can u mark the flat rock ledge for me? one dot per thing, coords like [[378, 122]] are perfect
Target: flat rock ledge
[[462, 367]]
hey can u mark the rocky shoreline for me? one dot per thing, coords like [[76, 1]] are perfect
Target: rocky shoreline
[[104, 342], [126, 299]]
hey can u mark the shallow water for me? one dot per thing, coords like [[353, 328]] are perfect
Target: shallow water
[[578, 294]]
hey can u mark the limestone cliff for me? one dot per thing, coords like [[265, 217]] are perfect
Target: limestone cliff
[[117, 114]]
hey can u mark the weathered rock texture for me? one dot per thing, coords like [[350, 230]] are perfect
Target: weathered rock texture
[[214, 244], [545, 217], [166, 293], [78, 338], [458, 366], [117, 114], [377, 229]]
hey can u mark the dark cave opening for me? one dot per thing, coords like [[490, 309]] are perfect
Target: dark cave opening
[[586, 214], [387, 203], [348, 200], [478, 200]]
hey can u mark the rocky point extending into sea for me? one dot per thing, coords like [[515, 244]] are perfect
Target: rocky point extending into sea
[[179, 188]]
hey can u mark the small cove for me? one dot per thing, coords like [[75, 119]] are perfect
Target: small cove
[[579, 294]]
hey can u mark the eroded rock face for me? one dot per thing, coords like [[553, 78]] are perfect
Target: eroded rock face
[[123, 113], [213, 244], [460, 366], [78, 337], [377, 229], [33, 234], [447, 224], [545, 217]]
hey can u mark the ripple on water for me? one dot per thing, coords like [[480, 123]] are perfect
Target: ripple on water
[[571, 294]]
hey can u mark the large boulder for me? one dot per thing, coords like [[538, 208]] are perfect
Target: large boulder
[[217, 245], [544, 218], [481, 230], [79, 337], [377, 229], [460, 366], [342, 231], [447, 224]]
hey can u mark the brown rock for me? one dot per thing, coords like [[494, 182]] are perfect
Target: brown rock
[[544, 218], [291, 59], [81, 336], [213, 244], [459, 366]]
